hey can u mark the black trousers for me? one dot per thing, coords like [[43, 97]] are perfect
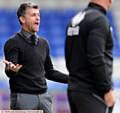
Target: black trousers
[[86, 103]]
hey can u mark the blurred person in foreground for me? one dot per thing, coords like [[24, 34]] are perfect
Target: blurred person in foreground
[[28, 63], [89, 60]]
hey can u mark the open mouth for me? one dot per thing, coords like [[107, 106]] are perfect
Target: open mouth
[[36, 23]]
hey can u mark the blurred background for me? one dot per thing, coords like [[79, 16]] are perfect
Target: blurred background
[[55, 15]]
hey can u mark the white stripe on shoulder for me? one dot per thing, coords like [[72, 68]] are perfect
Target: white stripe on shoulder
[[78, 18]]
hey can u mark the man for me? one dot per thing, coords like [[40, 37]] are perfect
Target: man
[[28, 62], [88, 54]]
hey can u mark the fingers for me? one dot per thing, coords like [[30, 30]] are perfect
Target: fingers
[[12, 66], [18, 66], [9, 64], [6, 62], [109, 99]]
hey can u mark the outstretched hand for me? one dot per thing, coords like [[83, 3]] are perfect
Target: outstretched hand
[[11, 66]]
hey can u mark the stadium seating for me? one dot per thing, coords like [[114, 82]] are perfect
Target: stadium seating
[[52, 27]]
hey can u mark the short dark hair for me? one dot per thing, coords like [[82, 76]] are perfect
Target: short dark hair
[[22, 9]]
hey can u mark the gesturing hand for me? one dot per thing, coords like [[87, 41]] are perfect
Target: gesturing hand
[[11, 66]]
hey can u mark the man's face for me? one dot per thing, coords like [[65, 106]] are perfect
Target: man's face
[[31, 20]]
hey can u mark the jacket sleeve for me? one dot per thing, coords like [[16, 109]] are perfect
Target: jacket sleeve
[[53, 74], [96, 48]]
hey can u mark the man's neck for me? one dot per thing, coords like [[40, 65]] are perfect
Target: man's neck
[[102, 3]]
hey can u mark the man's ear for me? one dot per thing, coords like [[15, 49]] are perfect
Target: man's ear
[[22, 19]]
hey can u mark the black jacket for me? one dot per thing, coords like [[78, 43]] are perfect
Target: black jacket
[[36, 65], [88, 51]]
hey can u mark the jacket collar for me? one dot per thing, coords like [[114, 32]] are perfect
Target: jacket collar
[[98, 7]]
